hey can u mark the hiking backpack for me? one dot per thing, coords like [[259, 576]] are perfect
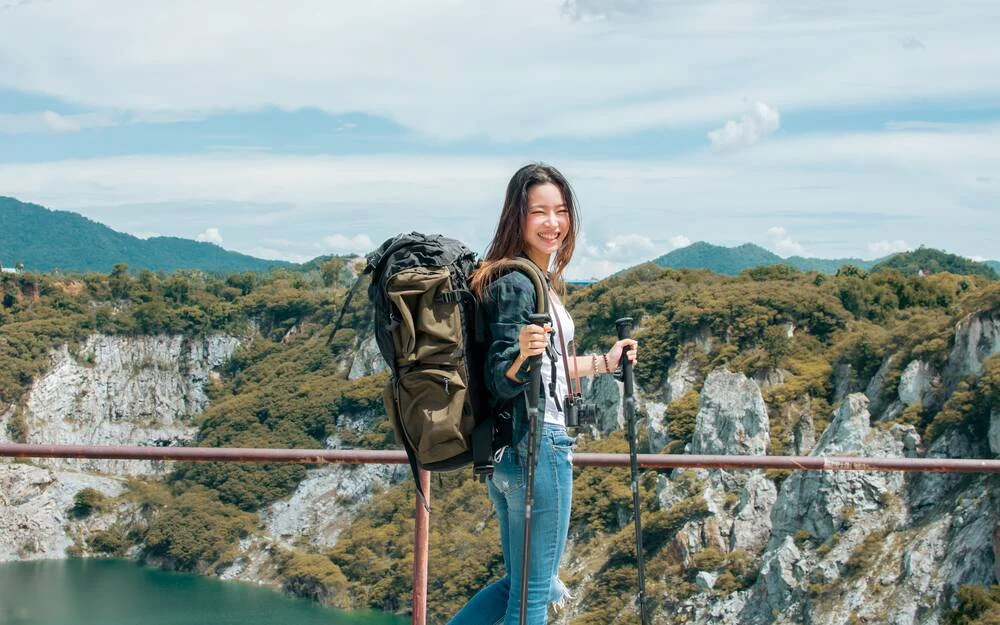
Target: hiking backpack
[[431, 333]]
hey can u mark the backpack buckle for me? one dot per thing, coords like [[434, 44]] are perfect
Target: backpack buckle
[[482, 471]]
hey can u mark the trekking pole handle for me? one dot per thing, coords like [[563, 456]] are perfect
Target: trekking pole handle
[[538, 319], [624, 327]]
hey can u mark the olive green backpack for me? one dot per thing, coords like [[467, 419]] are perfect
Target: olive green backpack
[[430, 331]]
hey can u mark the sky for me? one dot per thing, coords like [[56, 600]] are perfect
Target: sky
[[827, 128]]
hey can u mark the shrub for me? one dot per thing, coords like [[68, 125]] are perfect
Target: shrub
[[87, 501]]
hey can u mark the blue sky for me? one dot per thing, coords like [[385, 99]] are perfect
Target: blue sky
[[289, 130]]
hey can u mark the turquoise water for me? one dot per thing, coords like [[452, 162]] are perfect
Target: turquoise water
[[117, 592]]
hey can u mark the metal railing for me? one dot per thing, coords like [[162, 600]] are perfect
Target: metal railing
[[422, 516]]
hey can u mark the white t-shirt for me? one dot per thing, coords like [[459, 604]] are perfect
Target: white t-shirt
[[552, 413]]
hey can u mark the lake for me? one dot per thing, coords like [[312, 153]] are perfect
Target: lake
[[118, 592]]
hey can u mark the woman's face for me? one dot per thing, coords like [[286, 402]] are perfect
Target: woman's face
[[546, 224]]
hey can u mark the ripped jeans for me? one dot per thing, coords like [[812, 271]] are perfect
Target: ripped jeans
[[500, 602]]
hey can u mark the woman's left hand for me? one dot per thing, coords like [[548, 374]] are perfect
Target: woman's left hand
[[615, 355]]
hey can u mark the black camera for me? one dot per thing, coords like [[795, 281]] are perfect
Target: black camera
[[579, 411]]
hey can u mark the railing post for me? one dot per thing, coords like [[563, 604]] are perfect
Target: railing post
[[421, 541]]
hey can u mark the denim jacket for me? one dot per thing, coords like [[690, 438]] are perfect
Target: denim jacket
[[508, 302]]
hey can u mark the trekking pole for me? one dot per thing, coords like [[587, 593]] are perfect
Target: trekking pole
[[624, 327], [536, 414]]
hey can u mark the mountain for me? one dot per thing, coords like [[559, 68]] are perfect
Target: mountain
[[46, 240], [935, 261], [994, 265], [733, 260], [827, 265]]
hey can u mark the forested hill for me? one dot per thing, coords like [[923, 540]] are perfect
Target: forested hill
[[935, 261], [810, 339], [733, 260], [47, 240]]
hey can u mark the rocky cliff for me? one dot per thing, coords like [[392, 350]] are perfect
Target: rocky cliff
[[818, 547]]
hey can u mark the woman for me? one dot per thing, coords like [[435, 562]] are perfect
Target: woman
[[538, 221]]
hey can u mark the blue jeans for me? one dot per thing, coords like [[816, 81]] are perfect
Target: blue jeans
[[500, 602]]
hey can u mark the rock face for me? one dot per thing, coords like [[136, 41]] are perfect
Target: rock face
[[917, 381], [681, 378], [732, 420], [877, 397], [732, 417], [115, 391], [994, 433], [367, 361], [977, 337], [325, 503], [818, 502], [845, 381], [606, 393], [122, 390], [35, 504]]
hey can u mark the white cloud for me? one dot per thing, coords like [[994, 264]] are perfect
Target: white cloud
[[783, 244], [836, 192], [51, 122], [629, 246], [882, 248], [682, 63], [753, 126], [211, 236], [617, 253], [60, 123], [678, 241], [341, 244]]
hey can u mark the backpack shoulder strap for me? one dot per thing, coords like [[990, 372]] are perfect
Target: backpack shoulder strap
[[534, 274]]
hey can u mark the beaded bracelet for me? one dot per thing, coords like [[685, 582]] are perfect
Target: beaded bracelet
[[593, 362], [607, 367]]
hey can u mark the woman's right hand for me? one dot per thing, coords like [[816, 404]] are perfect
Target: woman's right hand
[[532, 340]]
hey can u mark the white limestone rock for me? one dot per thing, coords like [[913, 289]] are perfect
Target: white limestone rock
[[367, 360], [877, 397], [606, 392], [804, 434], [977, 337], [35, 504], [819, 501], [681, 378], [705, 580], [123, 390], [994, 431], [916, 382], [325, 503], [657, 432], [845, 381], [732, 417], [768, 377], [751, 524], [928, 490], [780, 576]]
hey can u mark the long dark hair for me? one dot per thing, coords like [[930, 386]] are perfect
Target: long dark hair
[[508, 240]]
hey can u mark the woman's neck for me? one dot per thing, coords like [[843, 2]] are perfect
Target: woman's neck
[[542, 262]]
